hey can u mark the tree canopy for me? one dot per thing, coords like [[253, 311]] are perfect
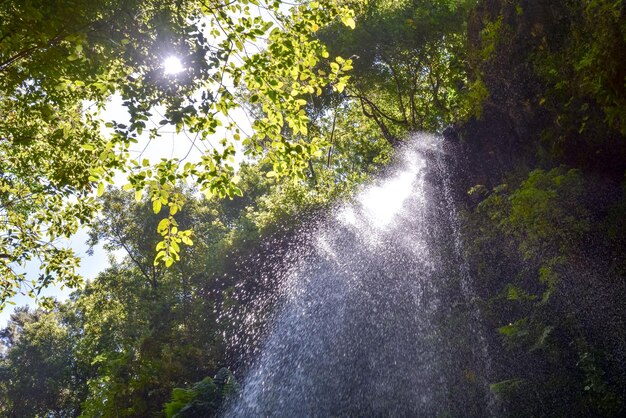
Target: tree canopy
[[409, 63], [61, 61]]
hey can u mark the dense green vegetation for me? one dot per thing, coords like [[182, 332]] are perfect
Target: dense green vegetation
[[534, 97]]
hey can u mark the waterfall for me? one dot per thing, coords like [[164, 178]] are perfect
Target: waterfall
[[378, 316]]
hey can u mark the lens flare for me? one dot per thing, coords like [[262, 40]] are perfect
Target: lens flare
[[172, 65]]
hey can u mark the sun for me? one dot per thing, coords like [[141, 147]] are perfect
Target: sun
[[172, 65]]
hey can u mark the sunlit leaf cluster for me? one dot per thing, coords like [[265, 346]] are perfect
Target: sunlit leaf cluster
[[60, 64]]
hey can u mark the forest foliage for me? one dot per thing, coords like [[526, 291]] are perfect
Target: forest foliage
[[532, 91], [60, 67]]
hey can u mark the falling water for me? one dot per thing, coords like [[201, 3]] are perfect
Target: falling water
[[377, 318]]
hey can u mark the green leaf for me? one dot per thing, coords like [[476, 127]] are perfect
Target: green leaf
[[156, 206], [163, 227], [349, 22]]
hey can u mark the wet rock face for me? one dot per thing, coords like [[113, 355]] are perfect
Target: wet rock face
[[512, 120], [508, 42], [450, 134]]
